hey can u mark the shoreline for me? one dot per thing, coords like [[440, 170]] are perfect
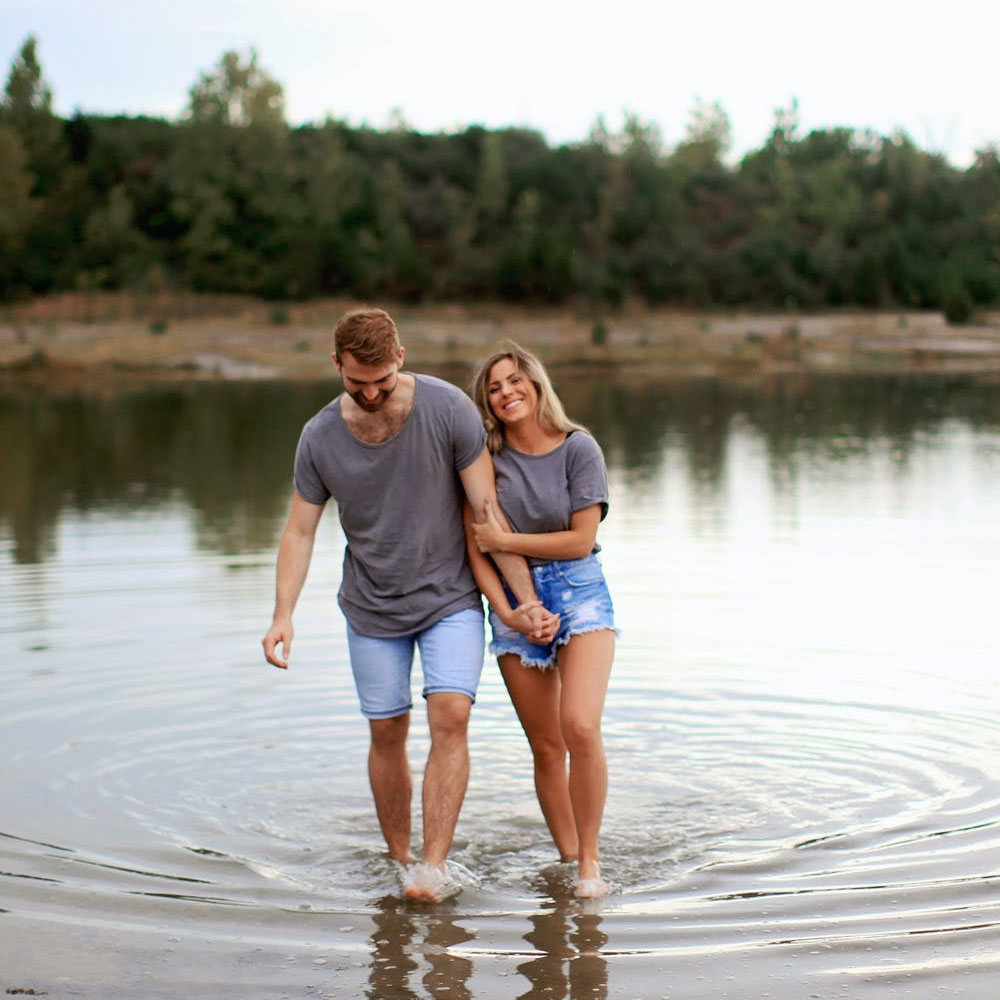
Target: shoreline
[[120, 338]]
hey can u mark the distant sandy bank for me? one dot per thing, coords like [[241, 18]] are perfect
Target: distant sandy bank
[[191, 337]]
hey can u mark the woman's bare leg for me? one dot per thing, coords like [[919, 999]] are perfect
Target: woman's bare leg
[[585, 666], [535, 695]]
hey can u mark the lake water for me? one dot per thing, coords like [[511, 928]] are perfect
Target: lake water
[[802, 726]]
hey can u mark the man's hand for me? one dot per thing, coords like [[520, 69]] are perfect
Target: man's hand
[[281, 631], [490, 533], [534, 622], [294, 554]]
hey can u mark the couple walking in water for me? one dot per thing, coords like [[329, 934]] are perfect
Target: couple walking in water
[[442, 501]]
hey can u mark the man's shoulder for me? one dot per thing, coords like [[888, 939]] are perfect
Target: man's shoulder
[[450, 417], [323, 419], [437, 386], [443, 396]]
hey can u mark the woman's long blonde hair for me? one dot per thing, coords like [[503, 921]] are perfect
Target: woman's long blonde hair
[[551, 415]]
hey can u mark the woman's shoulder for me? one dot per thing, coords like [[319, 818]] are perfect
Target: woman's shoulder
[[582, 444], [557, 455]]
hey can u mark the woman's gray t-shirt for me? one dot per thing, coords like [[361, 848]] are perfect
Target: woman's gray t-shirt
[[540, 493], [400, 505]]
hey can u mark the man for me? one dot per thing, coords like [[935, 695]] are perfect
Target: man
[[396, 450]]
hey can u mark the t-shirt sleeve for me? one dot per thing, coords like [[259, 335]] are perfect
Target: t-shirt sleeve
[[308, 482], [587, 475], [467, 433]]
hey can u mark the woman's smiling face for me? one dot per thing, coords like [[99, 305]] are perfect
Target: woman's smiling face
[[512, 395]]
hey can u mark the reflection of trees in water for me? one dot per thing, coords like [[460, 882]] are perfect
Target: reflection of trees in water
[[226, 448], [799, 417]]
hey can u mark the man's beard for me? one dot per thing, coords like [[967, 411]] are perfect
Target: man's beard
[[372, 406]]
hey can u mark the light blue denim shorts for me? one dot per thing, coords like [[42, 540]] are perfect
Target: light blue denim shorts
[[575, 590], [451, 656]]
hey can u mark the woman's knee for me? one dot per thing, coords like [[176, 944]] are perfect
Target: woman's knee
[[582, 734], [548, 749]]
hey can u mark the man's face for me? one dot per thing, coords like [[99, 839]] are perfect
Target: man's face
[[369, 385]]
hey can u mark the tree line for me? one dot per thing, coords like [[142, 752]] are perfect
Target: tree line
[[231, 198]]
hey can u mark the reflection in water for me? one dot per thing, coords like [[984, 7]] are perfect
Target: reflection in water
[[565, 937], [392, 944], [226, 449], [570, 940], [402, 930], [802, 727], [797, 416]]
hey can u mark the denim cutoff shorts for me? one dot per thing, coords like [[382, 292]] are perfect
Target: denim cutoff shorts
[[451, 656], [575, 590]]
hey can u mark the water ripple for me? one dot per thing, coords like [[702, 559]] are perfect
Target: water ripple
[[804, 798]]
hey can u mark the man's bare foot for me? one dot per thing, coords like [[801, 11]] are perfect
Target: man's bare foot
[[425, 883]]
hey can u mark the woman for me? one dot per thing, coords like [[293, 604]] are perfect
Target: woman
[[552, 486]]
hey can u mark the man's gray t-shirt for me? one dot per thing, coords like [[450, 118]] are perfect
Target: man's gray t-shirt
[[400, 505], [540, 493]]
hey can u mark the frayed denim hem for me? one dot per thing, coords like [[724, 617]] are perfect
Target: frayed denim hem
[[499, 649]]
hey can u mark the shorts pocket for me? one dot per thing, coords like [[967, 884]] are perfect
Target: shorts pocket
[[583, 572]]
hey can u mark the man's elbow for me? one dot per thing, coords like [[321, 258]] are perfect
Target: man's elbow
[[299, 533]]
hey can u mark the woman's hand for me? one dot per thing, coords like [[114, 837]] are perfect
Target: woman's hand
[[534, 622], [490, 535]]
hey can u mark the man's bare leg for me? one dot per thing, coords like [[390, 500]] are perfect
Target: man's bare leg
[[446, 777], [392, 786]]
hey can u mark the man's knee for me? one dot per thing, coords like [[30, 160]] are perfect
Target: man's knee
[[389, 735], [448, 715]]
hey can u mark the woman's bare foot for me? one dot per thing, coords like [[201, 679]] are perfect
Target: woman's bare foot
[[589, 884]]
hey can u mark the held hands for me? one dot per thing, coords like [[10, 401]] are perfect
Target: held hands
[[534, 622], [279, 632], [490, 534]]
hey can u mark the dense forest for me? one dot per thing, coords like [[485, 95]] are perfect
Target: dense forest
[[231, 198]]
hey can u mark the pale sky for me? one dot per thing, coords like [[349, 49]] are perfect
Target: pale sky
[[928, 69]]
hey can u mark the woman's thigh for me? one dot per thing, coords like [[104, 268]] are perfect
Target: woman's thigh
[[584, 669], [535, 695]]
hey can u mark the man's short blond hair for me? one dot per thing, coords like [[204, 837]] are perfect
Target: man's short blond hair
[[369, 335]]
